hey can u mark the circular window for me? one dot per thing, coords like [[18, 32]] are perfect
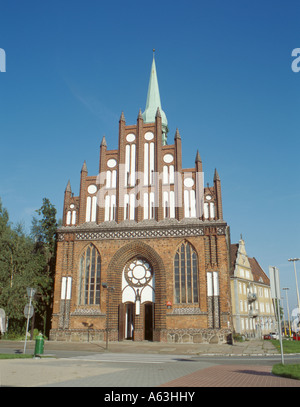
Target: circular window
[[111, 163], [188, 182], [138, 273], [72, 206], [149, 135], [130, 137], [92, 189], [168, 158]]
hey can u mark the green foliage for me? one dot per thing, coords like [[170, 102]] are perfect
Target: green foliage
[[289, 371], [289, 346], [27, 261], [21, 268], [44, 229], [238, 338], [15, 356], [43, 232]]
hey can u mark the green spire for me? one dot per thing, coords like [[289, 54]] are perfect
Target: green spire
[[153, 101]]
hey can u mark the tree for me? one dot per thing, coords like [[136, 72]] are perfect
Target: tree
[[27, 261], [26, 270], [5, 238], [43, 232], [20, 267], [6, 269], [44, 229]]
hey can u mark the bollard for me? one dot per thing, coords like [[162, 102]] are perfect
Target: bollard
[[39, 345]]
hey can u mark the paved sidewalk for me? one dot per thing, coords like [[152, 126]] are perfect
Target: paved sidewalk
[[233, 376], [246, 348], [76, 363]]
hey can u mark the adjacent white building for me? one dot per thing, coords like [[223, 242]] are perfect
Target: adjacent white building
[[252, 306]]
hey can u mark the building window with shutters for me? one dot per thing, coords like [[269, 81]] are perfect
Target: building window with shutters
[[186, 275], [90, 276]]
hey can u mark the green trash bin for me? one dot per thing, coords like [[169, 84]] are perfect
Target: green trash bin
[[39, 345]]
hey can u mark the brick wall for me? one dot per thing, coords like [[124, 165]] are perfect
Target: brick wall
[[159, 252], [118, 242]]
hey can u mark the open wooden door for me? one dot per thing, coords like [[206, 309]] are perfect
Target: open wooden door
[[149, 321], [121, 322]]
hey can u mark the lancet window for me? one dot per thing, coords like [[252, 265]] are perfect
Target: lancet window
[[90, 276], [186, 274]]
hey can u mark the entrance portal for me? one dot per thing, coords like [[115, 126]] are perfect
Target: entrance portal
[[148, 321], [138, 296]]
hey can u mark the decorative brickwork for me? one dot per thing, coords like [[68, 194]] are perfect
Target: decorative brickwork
[[143, 208]]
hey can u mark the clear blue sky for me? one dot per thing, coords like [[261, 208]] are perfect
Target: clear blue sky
[[225, 77]]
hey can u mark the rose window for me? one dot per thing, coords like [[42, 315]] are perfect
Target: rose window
[[138, 273]]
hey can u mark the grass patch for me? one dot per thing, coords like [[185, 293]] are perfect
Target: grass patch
[[288, 346], [289, 371], [15, 356]]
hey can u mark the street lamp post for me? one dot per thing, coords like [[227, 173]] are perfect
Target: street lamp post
[[109, 289], [284, 320], [294, 261], [29, 311], [288, 310]]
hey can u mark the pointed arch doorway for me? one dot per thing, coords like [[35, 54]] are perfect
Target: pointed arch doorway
[[136, 313]]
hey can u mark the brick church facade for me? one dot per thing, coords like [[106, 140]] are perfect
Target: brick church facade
[[143, 250]]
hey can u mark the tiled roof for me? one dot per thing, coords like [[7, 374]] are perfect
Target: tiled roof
[[233, 255], [258, 272]]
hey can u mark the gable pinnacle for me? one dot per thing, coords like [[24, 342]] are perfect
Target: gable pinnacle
[[68, 187], [177, 135], [122, 118], [216, 176], [103, 142], [198, 158], [84, 167]]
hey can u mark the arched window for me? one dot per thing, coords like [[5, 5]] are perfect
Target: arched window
[[90, 276], [130, 158], [186, 275]]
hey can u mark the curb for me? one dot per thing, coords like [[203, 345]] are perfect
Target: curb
[[239, 354]]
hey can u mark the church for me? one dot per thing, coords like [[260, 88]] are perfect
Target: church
[[143, 251]]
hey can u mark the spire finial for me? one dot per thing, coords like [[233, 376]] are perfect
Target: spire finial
[[153, 52]]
